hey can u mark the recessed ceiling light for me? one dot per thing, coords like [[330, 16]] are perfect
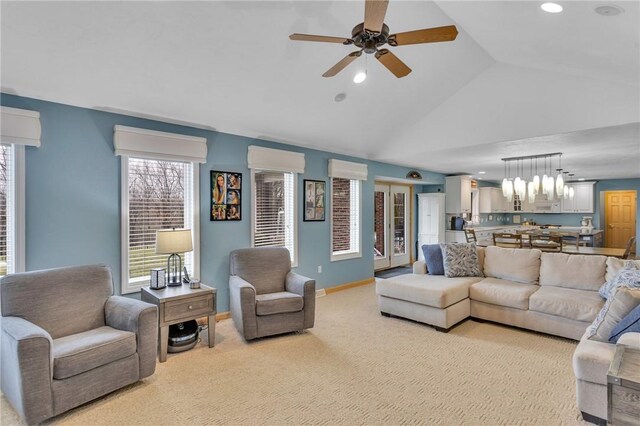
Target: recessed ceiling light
[[360, 77], [551, 7], [581, 179], [481, 173], [609, 10], [340, 97]]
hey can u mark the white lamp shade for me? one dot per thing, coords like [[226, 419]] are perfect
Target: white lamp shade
[[571, 193], [170, 241], [536, 184], [505, 184], [531, 191], [545, 184], [559, 185], [509, 191]]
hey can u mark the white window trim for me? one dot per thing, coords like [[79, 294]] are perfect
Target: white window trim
[[17, 205], [294, 263], [346, 255], [136, 284]]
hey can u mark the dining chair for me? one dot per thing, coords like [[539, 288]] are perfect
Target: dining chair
[[630, 249], [545, 242], [470, 235], [507, 240]]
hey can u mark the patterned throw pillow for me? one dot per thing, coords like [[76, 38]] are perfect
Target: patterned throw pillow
[[622, 301], [629, 276], [460, 260]]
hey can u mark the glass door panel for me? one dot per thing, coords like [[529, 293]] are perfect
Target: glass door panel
[[381, 225], [400, 223]]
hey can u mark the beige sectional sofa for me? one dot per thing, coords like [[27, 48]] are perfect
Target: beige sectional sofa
[[553, 293]]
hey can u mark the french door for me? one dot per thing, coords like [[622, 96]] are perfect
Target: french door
[[392, 217]]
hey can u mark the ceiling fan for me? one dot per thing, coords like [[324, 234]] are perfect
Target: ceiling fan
[[373, 33]]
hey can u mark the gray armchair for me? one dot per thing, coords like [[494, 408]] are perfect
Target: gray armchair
[[266, 297], [66, 340]]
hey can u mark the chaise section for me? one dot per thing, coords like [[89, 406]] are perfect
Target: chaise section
[[503, 293], [431, 299], [579, 305]]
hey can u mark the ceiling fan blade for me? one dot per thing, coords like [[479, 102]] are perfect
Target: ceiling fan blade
[[342, 64], [325, 39], [374, 11], [429, 35], [393, 64]]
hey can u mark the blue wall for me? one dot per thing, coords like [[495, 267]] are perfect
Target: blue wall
[[73, 197]]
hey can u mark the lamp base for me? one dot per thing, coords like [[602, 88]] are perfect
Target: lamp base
[[176, 284], [174, 268]]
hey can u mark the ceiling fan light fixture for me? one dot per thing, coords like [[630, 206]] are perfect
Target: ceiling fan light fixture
[[551, 7], [360, 77]]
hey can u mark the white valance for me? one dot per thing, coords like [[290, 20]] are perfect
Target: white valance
[[20, 127], [144, 143], [347, 170], [279, 160]]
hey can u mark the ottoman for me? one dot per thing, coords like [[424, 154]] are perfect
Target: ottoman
[[431, 299]]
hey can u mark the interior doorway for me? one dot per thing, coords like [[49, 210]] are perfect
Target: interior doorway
[[392, 225], [619, 217]]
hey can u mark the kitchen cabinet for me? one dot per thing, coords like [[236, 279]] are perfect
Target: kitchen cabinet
[[492, 201], [431, 220], [583, 199], [458, 191], [455, 237]]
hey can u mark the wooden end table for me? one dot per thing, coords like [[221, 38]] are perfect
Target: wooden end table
[[623, 387], [179, 304]]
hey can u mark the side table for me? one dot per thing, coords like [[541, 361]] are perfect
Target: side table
[[179, 304], [623, 387]]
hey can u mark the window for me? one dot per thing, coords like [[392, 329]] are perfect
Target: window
[[345, 218], [274, 175], [274, 218], [11, 212], [159, 195]]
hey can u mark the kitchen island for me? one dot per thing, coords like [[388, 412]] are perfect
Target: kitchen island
[[588, 237]]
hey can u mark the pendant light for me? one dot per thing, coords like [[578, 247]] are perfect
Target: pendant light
[[505, 181], [572, 192], [545, 179], [536, 180], [565, 190], [559, 180]]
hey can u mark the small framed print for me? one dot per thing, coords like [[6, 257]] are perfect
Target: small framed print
[[226, 196], [314, 200]]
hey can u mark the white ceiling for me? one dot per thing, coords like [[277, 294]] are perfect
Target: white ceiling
[[514, 76]]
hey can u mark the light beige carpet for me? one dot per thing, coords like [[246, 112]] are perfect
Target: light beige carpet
[[354, 367]]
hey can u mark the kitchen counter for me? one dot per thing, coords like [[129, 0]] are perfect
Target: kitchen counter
[[590, 237]]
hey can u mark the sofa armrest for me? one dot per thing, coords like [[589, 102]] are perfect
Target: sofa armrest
[[305, 287], [27, 368], [140, 318], [630, 339], [242, 297], [419, 267]]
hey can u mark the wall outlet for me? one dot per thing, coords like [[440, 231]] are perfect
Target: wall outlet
[[319, 269], [321, 293]]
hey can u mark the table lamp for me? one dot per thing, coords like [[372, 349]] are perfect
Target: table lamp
[[174, 241]]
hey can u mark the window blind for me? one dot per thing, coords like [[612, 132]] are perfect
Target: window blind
[[274, 210], [7, 217], [160, 197], [345, 216]]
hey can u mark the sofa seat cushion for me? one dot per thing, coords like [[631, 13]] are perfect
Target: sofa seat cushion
[[592, 359], [579, 305], [85, 351], [278, 303], [436, 291], [503, 293], [521, 265], [579, 271]]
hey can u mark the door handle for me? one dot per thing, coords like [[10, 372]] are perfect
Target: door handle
[[611, 226]]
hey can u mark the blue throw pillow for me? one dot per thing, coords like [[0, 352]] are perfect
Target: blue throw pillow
[[629, 324], [433, 259]]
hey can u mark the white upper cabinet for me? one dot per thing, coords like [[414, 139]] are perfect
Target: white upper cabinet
[[458, 190], [583, 199]]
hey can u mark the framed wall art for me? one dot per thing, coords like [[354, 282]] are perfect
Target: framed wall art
[[314, 200], [226, 196]]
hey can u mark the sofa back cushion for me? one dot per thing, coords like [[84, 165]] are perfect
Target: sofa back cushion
[[62, 301], [520, 265], [614, 265], [572, 271]]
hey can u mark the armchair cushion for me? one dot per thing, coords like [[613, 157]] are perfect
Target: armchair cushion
[[85, 351], [278, 303], [264, 267]]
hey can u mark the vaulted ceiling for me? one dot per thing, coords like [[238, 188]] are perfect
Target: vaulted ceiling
[[516, 81]]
